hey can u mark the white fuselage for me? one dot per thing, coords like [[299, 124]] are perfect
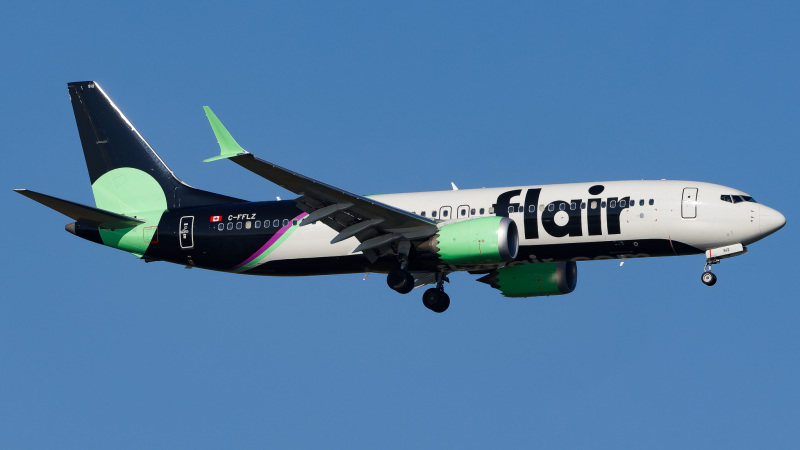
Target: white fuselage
[[580, 215]]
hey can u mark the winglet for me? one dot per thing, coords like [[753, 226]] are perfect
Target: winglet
[[227, 144]]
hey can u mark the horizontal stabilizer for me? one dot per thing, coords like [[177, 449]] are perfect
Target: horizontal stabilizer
[[82, 213]]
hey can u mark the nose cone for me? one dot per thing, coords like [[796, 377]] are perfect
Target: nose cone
[[770, 220]]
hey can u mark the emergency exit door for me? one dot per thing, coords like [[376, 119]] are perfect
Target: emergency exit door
[[689, 203]]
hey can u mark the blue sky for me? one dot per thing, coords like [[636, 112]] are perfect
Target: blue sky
[[100, 350]]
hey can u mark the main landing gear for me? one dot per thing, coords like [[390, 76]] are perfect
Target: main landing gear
[[400, 280], [434, 299]]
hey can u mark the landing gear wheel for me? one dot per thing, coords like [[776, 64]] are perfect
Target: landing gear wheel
[[436, 300], [400, 280], [708, 278]]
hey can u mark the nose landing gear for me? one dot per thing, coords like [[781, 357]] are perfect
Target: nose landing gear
[[708, 278], [715, 255]]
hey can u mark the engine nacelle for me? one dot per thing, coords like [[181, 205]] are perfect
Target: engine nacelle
[[534, 280], [485, 240]]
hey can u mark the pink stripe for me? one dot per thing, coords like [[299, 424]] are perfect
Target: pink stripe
[[269, 243]]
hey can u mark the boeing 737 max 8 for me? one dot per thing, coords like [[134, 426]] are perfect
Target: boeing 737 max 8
[[522, 240]]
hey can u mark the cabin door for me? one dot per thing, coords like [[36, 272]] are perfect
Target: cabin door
[[689, 203]]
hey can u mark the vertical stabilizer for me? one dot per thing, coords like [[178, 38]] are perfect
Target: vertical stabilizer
[[127, 175]]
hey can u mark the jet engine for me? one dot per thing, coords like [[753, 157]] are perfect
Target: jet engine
[[485, 240], [534, 280]]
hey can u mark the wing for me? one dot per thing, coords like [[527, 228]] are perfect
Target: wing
[[377, 226]]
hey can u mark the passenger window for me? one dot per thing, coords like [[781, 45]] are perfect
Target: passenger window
[[444, 213], [238, 225], [550, 207], [221, 226], [641, 202], [472, 212], [603, 204], [481, 211], [276, 223], [583, 205], [562, 207], [612, 204], [491, 210], [258, 224], [247, 225], [593, 205], [463, 212], [422, 213], [622, 203], [285, 222], [651, 202], [511, 209], [433, 213], [294, 222], [532, 208], [572, 206], [230, 225], [633, 203]]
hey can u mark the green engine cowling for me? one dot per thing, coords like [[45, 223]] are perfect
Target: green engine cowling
[[534, 280], [485, 240]]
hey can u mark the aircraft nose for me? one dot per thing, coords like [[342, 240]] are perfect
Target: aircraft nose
[[770, 220]]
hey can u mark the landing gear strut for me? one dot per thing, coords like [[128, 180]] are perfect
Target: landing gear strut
[[708, 278], [400, 279], [435, 299]]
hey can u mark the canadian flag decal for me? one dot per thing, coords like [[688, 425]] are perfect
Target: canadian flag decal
[[216, 218]]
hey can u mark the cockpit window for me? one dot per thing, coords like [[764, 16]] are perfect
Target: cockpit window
[[737, 198]]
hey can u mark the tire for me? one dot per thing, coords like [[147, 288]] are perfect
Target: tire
[[436, 300], [443, 303], [708, 278], [400, 280], [429, 298]]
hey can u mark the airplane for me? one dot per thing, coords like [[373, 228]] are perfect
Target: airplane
[[524, 241]]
